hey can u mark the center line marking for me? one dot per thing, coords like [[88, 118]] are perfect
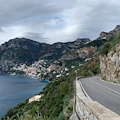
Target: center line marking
[[105, 87]]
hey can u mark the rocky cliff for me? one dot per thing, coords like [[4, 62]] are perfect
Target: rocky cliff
[[85, 50], [114, 32], [110, 64], [57, 50], [110, 57], [80, 53]]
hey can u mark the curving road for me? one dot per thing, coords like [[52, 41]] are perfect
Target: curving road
[[107, 94]]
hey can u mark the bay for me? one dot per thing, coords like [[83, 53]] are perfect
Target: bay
[[15, 89]]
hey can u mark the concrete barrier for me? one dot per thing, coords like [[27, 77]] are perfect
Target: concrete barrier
[[87, 109]]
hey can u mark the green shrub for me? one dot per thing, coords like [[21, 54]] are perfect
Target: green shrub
[[10, 112], [65, 101], [61, 116], [96, 68], [110, 45], [105, 49], [114, 81]]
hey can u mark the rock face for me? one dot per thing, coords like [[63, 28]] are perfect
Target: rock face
[[81, 53], [110, 65], [56, 50], [104, 35], [85, 50], [115, 32]]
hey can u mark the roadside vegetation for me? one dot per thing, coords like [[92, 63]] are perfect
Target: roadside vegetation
[[90, 68], [109, 45], [56, 104]]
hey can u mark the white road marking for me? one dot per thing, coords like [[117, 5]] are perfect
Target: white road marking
[[84, 91], [110, 82], [105, 87]]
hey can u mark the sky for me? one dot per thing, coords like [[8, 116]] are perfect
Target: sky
[[51, 21]]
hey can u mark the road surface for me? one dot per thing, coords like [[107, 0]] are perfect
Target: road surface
[[107, 94]]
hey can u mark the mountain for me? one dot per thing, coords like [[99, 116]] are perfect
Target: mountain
[[26, 50], [107, 62], [92, 47], [85, 50], [114, 32], [22, 50], [107, 48], [57, 50]]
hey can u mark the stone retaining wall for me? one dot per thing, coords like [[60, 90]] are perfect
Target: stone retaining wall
[[91, 110]]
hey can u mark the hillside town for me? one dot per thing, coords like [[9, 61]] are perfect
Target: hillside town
[[42, 69]]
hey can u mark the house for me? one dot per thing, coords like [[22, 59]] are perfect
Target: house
[[57, 76], [35, 98]]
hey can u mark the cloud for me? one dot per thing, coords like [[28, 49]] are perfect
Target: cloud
[[35, 36], [18, 10], [1, 30], [68, 34], [57, 20]]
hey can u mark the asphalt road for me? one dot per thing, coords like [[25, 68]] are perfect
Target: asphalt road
[[107, 94]]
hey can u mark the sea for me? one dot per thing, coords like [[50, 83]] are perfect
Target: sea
[[16, 89]]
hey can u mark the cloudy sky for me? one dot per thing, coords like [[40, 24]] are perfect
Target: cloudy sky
[[51, 21]]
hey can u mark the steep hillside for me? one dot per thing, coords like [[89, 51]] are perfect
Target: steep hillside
[[56, 50], [84, 51], [89, 49], [22, 50], [56, 103], [107, 60]]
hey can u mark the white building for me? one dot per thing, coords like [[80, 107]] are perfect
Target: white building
[[35, 98]]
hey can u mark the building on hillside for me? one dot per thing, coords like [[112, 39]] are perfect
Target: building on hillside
[[35, 98]]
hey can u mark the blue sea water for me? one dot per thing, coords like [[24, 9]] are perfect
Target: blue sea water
[[15, 89]]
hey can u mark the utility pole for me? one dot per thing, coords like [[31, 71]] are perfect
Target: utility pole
[[76, 74]]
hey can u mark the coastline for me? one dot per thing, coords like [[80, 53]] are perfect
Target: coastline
[[23, 98], [27, 76]]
